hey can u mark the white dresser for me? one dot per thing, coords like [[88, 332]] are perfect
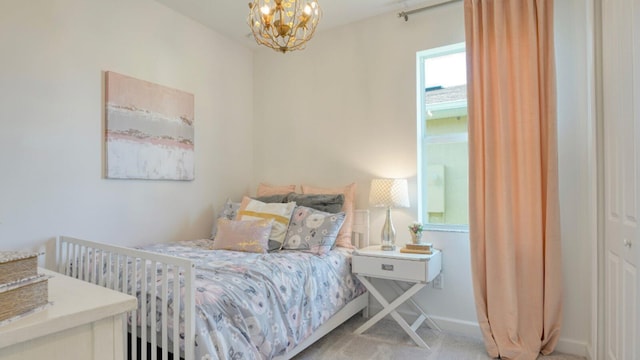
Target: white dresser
[[84, 322]]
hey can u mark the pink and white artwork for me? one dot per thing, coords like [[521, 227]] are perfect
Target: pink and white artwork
[[149, 130]]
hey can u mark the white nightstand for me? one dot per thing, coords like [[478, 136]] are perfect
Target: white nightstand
[[371, 262]]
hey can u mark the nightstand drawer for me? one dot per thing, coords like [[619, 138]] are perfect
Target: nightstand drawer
[[388, 268], [397, 266]]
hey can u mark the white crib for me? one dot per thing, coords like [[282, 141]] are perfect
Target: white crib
[[87, 261]]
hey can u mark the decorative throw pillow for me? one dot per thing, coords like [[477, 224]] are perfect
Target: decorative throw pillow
[[251, 209], [247, 236], [331, 203], [228, 211], [312, 230], [349, 192], [266, 189], [276, 198]]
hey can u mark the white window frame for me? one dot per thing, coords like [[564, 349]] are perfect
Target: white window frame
[[421, 56]]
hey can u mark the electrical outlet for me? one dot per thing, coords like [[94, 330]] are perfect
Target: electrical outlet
[[438, 282]]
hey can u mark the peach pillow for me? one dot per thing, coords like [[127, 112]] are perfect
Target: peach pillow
[[266, 189], [247, 236], [349, 192]]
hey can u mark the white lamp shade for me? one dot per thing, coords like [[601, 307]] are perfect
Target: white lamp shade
[[389, 193]]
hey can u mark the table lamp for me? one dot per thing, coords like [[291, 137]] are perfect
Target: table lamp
[[389, 193]]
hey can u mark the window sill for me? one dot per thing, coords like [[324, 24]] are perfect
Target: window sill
[[447, 228]]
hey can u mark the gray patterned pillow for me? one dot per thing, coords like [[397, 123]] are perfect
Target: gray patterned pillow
[[229, 211], [312, 230]]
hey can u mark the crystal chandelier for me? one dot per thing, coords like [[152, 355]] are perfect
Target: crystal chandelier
[[283, 25]]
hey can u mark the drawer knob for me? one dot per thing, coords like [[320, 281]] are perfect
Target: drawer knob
[[387, 267]]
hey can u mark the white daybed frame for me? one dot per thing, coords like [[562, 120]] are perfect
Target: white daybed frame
[[78, 258]]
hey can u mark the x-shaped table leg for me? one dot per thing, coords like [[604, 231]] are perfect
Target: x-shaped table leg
[[390, 308], [423, 315]]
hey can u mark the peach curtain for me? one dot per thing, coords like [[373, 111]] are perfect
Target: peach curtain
[[514, 212]]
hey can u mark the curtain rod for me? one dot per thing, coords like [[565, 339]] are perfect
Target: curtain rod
[[405, 14]]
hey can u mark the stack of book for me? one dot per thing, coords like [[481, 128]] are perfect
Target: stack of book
[[22, 289], [417, 249]]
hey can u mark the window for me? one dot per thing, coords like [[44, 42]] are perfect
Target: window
[[443, 161]]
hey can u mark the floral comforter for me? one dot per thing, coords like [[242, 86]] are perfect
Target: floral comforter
[[257, 306]]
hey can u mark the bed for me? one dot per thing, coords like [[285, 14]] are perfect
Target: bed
[[225, 304]]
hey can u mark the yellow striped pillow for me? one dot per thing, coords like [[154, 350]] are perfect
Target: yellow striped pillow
[[251, 209]]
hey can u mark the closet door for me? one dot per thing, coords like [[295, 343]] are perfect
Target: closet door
[[621, 109]]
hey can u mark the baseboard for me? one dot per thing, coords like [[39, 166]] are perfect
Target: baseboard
[[457, 326], [472, 329], [573, 347], [590, 355]]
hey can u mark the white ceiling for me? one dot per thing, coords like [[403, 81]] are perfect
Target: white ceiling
[[229, 17]]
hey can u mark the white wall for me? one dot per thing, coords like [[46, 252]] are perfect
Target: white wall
[[576, 167], [53, 55], [350, 115], [344, 110]]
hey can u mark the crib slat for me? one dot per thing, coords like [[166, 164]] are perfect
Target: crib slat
[[109, 270], [189, 312], [165, 312], [143, 307], [101, 280], [74, 270], [176, 309], [134, 313], [125, 274], [153, 318]]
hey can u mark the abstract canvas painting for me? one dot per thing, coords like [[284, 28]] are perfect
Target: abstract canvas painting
[[149, 130]]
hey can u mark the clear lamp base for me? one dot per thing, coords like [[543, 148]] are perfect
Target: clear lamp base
[[388, 239]]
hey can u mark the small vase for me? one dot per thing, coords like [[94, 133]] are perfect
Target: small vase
[[416, 238]]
